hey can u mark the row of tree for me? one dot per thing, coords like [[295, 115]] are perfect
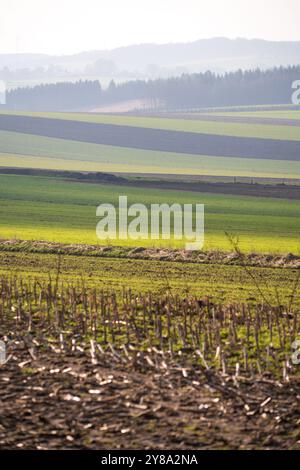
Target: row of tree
[[253, 87], [55, 97]]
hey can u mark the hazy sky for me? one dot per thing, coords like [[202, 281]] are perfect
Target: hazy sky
[[68, 26]]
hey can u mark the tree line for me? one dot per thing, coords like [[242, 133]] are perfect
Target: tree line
[[239, 88]]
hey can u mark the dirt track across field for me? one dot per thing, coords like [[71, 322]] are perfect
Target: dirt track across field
[[255, 189], [154, 139], [155, 254], [238, 189]]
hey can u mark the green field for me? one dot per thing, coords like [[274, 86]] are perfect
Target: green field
[[188, 125], [30, 151], [221, 283], [272, 114], [37, 208]]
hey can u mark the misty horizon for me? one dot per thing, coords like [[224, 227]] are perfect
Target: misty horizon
[[66, 27], [155, 43]]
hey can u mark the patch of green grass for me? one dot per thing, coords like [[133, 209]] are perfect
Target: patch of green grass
[[37, 208], [187, 125], [222, 283], [272, 114]]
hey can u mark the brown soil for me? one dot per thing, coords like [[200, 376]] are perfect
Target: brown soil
[[63, 399]]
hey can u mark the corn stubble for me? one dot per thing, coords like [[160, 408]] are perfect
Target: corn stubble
[[137, 359]]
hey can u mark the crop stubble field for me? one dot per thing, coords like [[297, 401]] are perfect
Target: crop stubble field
[[92, 361]]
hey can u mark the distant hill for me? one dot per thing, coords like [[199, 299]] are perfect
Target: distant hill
[[217, 54]]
